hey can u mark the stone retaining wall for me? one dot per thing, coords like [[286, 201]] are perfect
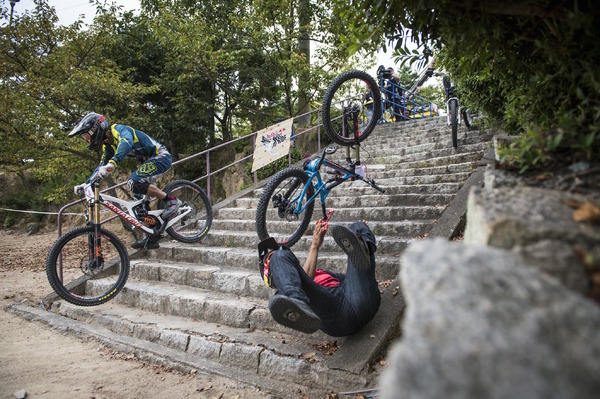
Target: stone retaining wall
[[508, 312]]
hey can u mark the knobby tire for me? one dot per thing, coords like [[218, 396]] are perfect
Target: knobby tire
[[76, 278], [274, 223], [331, 115], [196, 225]]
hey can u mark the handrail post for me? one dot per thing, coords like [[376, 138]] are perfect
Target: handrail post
[[253, 149], [208, 173], [319, 130]]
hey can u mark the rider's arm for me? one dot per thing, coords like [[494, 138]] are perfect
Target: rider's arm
[[310, 265], [107, 154]]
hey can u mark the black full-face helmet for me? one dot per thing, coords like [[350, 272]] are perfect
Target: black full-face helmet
[[94, 124]]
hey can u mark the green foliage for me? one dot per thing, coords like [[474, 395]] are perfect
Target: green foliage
[[9, 222], [435, 94], [531, 65]]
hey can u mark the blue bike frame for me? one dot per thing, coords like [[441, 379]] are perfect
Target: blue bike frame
[[323, 188]]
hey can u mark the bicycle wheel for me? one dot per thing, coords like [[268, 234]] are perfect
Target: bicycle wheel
[[196, 224], [86, 268], [454, 122], [282, 194], [351, 107]]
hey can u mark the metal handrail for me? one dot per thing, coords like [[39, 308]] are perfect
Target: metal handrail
[[209, 174], [390, 97]]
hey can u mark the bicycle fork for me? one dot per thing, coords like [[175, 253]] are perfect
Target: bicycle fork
[[95, 241], [448, 110]]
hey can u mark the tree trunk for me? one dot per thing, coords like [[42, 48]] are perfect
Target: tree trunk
[[304, 49]]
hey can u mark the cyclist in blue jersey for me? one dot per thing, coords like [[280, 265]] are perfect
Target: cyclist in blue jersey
[[119, 141]]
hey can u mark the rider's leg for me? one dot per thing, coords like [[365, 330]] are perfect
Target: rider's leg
[[360, 285], [291, 306], [155, 167]]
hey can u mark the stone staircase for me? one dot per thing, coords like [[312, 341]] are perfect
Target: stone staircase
[[203, 307]]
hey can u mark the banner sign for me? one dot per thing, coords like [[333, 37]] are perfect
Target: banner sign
[[272, 143]]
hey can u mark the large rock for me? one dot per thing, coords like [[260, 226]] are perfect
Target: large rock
[[538, 224], [479, 323]]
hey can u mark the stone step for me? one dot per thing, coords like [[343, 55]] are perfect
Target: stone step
[[446, 154], [418, 187], [347, 214], [389, 171], [284, 362], [433, 140], [330, 256], [441, 161], [235, 233], [373, 200], [431, 133], [393, 156]]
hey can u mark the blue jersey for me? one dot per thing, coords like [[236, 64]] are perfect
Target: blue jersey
[[129, 142]]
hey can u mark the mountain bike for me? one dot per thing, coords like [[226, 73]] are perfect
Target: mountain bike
[[286, 205], [92, 252], [453, 110]]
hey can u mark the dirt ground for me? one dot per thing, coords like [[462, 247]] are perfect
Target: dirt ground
[[47, 364]]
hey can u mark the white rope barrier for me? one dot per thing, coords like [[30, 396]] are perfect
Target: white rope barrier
[[41, 213]]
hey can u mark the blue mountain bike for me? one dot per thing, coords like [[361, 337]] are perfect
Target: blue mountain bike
[[351, 108]]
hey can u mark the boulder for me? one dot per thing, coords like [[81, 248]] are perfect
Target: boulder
[[481, 323]]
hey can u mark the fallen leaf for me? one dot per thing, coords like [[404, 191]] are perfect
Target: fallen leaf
[[586, 212], [309, 355]]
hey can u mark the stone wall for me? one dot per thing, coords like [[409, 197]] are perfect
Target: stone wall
[[508, 312]]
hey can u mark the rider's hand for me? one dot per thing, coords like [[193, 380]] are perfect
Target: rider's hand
[[319, 233], [106, 170], [78, 189]]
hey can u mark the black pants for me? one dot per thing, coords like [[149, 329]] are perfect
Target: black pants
[[343, 309]]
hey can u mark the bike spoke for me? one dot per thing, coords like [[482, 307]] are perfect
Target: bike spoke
[[277, 213], [196, 209], [87, 268], [351, 107]]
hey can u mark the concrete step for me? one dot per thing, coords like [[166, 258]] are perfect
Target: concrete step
[[283, 363], [236, 233], [434, 139], [330, 256], [423, 184], [347, 214], [370, 200]]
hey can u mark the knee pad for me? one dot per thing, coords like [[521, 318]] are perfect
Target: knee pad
[[138, 187]]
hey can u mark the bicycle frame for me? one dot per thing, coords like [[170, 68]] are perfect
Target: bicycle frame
[[451, 97], [95, 199], [323, 188]]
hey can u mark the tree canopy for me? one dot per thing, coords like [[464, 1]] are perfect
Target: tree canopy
[[188, 73], [531, 64]]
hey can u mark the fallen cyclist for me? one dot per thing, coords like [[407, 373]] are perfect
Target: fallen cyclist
[[119, 141], [309, 299]]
